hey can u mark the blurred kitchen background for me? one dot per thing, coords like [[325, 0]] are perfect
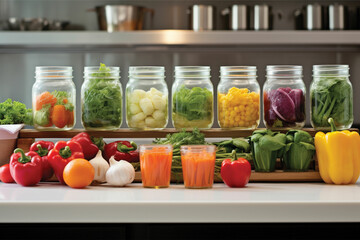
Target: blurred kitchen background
[[77, 21]]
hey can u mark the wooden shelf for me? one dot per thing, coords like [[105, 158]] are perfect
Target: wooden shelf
[[127, 133]]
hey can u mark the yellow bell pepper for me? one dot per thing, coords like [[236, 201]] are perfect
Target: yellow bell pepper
[[338, 154]]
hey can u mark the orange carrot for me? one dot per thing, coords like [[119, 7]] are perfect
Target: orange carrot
[[198, 169], [70, 117], [45, 98], [59, 116], [155, 167]]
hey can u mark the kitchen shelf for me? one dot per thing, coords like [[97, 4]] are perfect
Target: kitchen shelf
[[83, 39], [127, 133]]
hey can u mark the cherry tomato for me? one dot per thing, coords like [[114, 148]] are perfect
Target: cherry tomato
[[5, 175]]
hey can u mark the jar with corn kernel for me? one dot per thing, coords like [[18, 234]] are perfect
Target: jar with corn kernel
[[238, 98]]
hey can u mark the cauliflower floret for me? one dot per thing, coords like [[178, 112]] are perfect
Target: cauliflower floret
[[138, 117], [148, 95], [137, 95], [134, 108], [158, 102], [158, 115], [150, 122], [140, 124], [160, 124], [146, 106], [156, 92]]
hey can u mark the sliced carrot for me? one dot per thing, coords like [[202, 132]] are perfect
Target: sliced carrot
[[70, 116], [59, 116], [155, 167], [198, 169], [45, 98]]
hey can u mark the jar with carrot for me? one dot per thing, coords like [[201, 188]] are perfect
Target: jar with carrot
[[198, 164], [155, 165], [54, 98]]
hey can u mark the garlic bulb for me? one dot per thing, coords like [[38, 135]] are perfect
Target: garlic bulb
[[120, 173], [101, 166]]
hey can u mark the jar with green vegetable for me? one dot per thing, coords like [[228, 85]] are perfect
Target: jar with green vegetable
[[284, 97], [101, 98], [54, 99], [147, 98], [331, 96], [192, 98]]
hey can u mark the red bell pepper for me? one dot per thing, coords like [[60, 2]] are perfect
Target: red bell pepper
[[62, 153], [121, 150], [90, 145], [26, 169], [5, 175], [235, 173], [43, 148]]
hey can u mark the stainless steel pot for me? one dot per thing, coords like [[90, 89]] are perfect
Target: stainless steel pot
[[314, 17], [262, 17], [238, 16], [336, 17], [202, 17], [113, 18]]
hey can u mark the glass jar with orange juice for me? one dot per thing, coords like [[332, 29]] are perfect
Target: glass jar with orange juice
[[155, 165], [198, 163]]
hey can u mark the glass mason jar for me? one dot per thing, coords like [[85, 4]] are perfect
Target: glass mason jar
[[147, 98], [192, 98], [54, 98], [101, 98], [284, 97], [155, 165], [198, 164], [238, 98], [331, 96]]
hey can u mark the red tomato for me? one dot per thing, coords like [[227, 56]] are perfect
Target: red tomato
[[5, 175]]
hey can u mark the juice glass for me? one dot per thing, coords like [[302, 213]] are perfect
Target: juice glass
[[155, 164], [198, 163]]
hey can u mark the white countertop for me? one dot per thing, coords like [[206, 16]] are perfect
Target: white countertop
[[52, 202]]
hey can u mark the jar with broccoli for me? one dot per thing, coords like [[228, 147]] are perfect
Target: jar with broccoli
[[331, 97], [192, 98], [101, 98], [146, 98]]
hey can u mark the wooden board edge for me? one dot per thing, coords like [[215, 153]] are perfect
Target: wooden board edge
[[277, 176]]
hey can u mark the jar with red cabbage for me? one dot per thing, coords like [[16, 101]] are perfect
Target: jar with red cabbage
[[284, 97]]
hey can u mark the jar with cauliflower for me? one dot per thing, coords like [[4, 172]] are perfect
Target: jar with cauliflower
[[238, 98], [146, 98]]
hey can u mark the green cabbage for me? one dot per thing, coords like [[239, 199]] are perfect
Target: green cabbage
[[193, 104]]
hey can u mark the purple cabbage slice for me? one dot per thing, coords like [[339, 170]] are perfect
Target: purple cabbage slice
[[297, 97], [287, 89], [283, 105]]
